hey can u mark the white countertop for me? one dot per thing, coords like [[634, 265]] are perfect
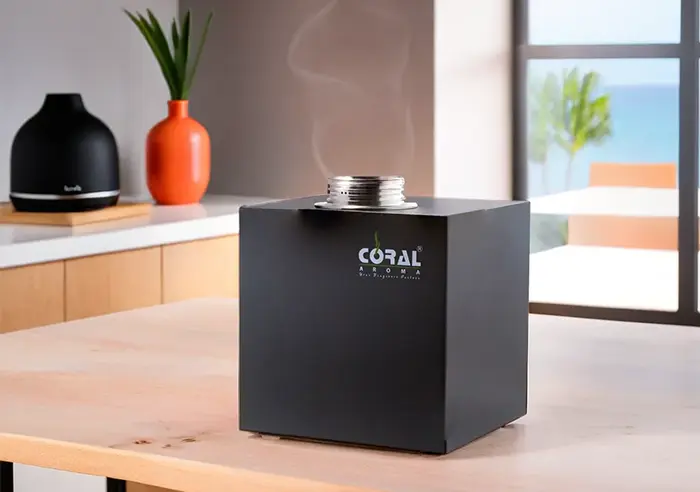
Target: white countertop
[[27, 244], [616, 201]]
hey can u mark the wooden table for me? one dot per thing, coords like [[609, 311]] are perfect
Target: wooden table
[[150, 396]]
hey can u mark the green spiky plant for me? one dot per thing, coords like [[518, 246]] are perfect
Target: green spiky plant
[[173, 55], [583, 115]]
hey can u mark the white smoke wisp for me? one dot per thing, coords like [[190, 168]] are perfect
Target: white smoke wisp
[[350, 59]]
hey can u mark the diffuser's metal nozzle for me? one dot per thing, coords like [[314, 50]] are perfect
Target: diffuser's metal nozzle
[[366, 193]]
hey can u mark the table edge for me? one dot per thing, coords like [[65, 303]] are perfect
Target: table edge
[[151, 469]]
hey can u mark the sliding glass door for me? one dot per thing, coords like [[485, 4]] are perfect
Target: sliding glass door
[[606, 139]]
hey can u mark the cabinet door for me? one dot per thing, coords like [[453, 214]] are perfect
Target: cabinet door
[[204, 268], [109, 283], [31, 296]]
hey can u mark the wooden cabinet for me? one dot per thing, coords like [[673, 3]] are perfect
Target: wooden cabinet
[[31, 296], [204, 268], [113, 282], [47, 293]]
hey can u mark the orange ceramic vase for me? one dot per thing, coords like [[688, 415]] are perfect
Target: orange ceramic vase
[[177, 158]]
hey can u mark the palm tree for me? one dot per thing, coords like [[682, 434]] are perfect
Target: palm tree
[[542, 103], [581, 117]]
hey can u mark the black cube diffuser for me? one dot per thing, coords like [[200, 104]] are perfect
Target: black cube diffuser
[[372, 321]]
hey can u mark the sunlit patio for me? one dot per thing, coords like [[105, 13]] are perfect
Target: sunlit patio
[[605, 277], [619, 248]]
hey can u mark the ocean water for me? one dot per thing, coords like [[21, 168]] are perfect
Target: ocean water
[[645, 130]]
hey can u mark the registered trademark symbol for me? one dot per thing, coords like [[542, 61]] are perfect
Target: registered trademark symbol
[[419, 248]]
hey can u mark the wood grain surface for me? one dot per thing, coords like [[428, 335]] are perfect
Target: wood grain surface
[[151, 395], [202, 268], [8, 215], [113, 282], [31, 296]]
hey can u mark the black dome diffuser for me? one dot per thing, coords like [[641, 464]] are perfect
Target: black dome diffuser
[[64, 159]]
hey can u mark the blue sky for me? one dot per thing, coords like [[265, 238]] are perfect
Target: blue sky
[[608, 22], [616, 72]]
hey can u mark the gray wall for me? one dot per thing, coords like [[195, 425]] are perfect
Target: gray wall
[[345, 77], [86, 46]]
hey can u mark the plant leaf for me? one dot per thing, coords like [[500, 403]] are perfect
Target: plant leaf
[[183, 53], [162, 57], [585, 116], [162, 43], [145, 30], [200, 48], [175, 36]]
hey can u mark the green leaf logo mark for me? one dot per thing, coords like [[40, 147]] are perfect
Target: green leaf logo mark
[[376, 239]]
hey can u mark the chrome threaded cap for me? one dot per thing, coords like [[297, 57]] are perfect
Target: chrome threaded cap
[[366, 193]]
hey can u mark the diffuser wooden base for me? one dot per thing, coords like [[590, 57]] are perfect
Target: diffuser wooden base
[[8, 215]]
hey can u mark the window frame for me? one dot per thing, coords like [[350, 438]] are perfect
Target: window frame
[[687, 52]]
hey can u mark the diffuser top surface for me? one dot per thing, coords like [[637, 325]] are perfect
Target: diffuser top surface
[[427, 206]]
